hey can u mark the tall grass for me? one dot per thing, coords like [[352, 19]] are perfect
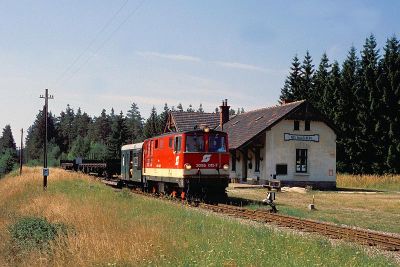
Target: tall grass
[[379, 182], [118, 229]]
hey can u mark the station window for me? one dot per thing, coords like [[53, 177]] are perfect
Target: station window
[[296, 125], [281, 169], [257, 161], [301, 160], [233, 157], [307, 125]]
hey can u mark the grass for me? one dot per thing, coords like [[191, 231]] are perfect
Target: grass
[[118, 228], [372, 210], [377, 182]]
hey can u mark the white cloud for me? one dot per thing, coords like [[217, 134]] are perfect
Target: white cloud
[[237, 65], [169, 56]]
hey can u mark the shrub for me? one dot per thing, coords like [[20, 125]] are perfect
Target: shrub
[[35, 233]]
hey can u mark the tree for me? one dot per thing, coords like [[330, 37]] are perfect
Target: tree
[[319, 95], [307, 82], [179, 107], [134, 123], [7, 139], [347, 139], [118, 137], [66, 130], [368, 103], [7, 161], [162, 118], [102, 127], [151, 127], [190, 108], [200, 109], [36, 133], [389, 81], [292, 83]]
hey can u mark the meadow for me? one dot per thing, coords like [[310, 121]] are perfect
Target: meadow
[[366, 201], [103, 226]]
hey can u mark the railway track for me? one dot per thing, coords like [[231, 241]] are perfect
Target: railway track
[[364, 237]]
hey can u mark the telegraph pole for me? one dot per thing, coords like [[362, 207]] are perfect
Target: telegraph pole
[[20, 152], [46, 97]]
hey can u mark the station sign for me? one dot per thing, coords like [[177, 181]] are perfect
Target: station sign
[[299, 137]]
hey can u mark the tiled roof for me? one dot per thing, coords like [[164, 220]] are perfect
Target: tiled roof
[[245, 126], [188, 121]]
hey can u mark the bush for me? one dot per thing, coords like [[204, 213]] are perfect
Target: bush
[[35, 233]]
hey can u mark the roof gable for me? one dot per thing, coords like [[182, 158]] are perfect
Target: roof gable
[[182, 121], [243, 127]]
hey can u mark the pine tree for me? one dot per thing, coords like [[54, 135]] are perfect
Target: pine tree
[[103, 127], [162, 119], [66, 130], [7, 140], [118, 137], [319, 93], [348, 151], [83, 122], [389, 81], [368, 103], [151, 127], [200, 109], [292, 82], [307, 82], [179, 107], [134, 122]]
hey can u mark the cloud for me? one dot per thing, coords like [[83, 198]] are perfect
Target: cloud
[[169, 56], [237, 65]]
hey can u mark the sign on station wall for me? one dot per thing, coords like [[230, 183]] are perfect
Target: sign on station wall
[[299, 137]]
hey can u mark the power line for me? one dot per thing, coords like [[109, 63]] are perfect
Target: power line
[[106, 40], [105, 26]]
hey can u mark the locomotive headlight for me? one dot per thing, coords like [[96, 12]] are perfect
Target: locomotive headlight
[[206, 129], [226, 167], [188, 166]]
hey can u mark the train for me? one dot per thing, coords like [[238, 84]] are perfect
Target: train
[[192, 165]]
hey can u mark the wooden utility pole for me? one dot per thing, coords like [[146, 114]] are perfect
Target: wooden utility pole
[[20, 152], [45, 113]]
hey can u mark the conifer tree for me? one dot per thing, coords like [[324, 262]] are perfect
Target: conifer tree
[[200, 109], [348, 124], [151, 127], [307, 82], [118, 137], [319, 92], [134, 122], [368, 98], [292, 82], [389, 81], [7, 139]]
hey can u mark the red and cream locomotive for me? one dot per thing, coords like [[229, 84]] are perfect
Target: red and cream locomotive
[[191, 165]]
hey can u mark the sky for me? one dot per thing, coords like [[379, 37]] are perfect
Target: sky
[[109, 54]]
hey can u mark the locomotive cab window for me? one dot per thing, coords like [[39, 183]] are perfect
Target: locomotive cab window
[[216, 143], [170, 142], [178, 144], [194, 143], [156, 143]]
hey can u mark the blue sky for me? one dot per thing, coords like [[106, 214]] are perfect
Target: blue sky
[[95, 54]]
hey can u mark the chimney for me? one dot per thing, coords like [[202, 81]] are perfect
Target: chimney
[[286, 101], [224, 114]]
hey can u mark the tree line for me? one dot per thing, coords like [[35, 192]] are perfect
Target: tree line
[[76, 134], [8, 151], [362, 98]]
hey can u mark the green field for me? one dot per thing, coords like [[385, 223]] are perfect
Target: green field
[[105, 227]]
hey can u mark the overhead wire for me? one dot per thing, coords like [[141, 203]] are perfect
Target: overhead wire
[[105, 41], [91, 43]]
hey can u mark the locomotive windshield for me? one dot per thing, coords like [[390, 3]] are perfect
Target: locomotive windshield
[[194, 143], [216, 143]]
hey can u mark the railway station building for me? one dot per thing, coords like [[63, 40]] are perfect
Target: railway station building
[[292, 142]]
